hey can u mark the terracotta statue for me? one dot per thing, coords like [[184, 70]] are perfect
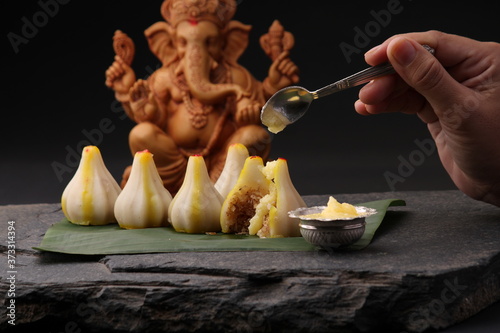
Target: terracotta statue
[[201, 100]]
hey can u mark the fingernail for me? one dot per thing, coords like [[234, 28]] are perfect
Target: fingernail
[[373, 49], [403, 51], [359, 106]]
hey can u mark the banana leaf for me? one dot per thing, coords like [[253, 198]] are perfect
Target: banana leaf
[[66, 237]]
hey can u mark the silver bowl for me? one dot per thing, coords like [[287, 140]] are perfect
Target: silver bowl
[[328, 233]]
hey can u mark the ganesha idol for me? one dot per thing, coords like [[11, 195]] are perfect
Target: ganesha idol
[[200, 101]]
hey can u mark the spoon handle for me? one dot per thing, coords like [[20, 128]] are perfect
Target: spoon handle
[[361, 77]]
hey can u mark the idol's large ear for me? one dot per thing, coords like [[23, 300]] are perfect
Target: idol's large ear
[[236, 37], [160, 37]]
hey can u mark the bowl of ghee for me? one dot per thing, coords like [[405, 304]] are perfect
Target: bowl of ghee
[[333, 226]]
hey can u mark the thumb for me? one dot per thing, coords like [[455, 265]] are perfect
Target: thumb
[[423, 72]]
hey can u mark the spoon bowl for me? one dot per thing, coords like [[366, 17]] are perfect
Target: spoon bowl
[[285, 107]]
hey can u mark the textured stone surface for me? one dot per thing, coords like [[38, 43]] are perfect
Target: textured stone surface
[[431, 264]]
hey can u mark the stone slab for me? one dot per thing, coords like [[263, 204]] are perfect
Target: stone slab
[[432, 264]]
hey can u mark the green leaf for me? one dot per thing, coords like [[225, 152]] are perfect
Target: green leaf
[[66, 237], [374, 221]]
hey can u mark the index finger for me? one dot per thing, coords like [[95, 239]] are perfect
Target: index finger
[[449, 49]]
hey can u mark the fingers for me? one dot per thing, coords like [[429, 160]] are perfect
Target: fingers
[[450, 49], [111, 74], [114, 71], [409, 102], [378, 54], [285, 65], [424, 73], [424, 86], [250, 114], [138, 90], [283, 55], [391, 94], [380, 89], [277, 62]]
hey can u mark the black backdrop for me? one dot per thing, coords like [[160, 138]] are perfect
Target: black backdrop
[[54, 55]]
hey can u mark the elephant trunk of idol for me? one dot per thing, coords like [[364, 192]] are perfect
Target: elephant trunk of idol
[[197, 67]]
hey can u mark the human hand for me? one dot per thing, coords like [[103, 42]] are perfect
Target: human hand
[[456, 92]]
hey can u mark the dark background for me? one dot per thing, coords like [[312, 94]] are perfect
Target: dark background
[[55, 91]]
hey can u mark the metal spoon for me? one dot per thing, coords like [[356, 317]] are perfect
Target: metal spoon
[[289, 104]]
